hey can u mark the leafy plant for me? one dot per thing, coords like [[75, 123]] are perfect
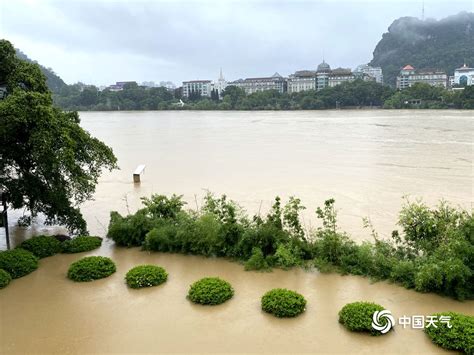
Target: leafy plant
[[459, 337], [357, 317], [80, 244], [5, 278], [146, 276], [18, 262], [256, 261], [283, 303], [91, 268], [210, 291], [42, 246]]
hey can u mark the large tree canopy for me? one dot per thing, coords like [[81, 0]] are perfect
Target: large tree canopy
[[48, 163]]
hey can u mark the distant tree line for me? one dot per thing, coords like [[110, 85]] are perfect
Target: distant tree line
[[347, 95]]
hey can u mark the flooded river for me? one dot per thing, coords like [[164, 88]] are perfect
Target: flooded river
[[366, 160]]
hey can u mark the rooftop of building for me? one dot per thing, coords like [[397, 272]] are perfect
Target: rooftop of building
[[324, 67], [197, 81]]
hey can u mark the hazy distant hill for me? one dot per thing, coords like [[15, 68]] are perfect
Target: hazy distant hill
[[55, 83], [443, 44]]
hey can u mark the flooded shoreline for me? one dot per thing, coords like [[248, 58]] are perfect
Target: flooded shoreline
[[106, 316], [366, 160]]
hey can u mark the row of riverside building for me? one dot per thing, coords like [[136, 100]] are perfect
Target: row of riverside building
[[463, 76], [301, 80]]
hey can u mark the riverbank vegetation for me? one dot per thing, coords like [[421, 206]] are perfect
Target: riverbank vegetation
[[145, 276], [347, 95], [42, 246], [457, 335], [433, 251], [91, 268], [81, 244], [5, 278], [357, 317], [210, 291], [18, 262], [283, 303]]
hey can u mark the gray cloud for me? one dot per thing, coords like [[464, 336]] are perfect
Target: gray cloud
[[105, 41]]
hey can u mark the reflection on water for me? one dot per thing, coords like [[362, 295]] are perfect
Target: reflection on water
[[366, 160]]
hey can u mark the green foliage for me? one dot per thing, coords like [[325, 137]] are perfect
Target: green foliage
[[433, 253], [210, 291], [357, 317], [42, 246], [283, 303], [49, 164], [91, 268], [459, 337], [256, 261], [130, 230], [80, 244], [18, 262], [5, 278], [146, 276]]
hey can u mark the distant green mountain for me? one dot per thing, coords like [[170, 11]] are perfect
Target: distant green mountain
[[55, 83], [445, 44]]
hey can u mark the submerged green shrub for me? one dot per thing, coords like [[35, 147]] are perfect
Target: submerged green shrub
[[42, 246], [146, 276], [81, 244], [283, 303], [5, 278], [256, 261], [210, 291], [18, 262], [357, 317], [459, 337], [91, 268], [131, 230]]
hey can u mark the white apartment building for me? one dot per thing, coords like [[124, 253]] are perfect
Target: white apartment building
[[374, 72], [339, 76], [302, 80], [203, 87]]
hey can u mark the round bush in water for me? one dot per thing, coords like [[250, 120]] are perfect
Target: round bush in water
[[42, 246], [146, 276], [459, 337], [358, 317], [210, 291], [18, 262], [91, 268], [5, 278], [81, 244], [283, 303]]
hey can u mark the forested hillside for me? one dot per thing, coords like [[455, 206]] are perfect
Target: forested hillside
[[445, 44]]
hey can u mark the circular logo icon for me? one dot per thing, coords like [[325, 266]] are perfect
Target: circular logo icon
[[383, 321]]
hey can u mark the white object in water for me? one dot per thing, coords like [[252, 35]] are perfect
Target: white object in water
[[138, 171]]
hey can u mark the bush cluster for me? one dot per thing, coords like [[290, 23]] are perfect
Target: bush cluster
[[283, 303], [433, 252], [459, 337], [18, 262], [357, 317], [5, 278], [146, 276], [91, 268], [210, 291], [42, 246], [81, 244]]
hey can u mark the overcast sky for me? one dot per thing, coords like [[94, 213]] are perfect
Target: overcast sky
[[100, 42]]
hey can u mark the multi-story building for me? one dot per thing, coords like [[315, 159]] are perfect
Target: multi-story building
[[251, 85], [409, 76], [202, 87], [464, 76], [364, 70], [302, 80], [119, 85], [168, 85], [339, 76], [322, 75]]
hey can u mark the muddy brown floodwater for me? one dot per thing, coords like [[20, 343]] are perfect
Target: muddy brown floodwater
[[367, 160]]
